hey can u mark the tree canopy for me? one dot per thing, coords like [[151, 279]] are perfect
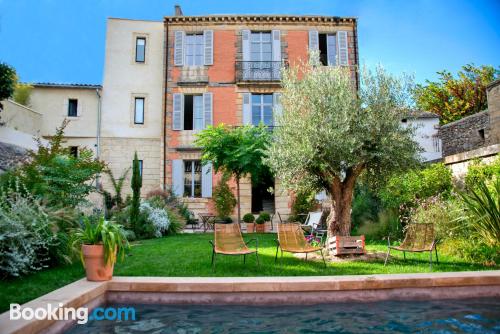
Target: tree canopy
[[453, 98], [330, 133], [8, 79], [237, 151]]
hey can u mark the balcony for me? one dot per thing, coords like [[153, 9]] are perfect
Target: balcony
[[259, 71]]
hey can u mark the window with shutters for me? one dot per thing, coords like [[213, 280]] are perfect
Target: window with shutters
[[73, 151], [327, 44], [72, 107], [193, 112], [192, 178], [194, 49], [261, 48], [139, 110], [140, 49], [262, 109]]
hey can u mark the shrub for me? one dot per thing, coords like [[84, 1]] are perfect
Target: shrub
[[260, 220], [266, 216], [482, 213], [386, 224], [172, 202], [303, 203], [365, 206], [22, 94], [479, 171], [223, 198], [249, 218], [157, 217], [27, 233]]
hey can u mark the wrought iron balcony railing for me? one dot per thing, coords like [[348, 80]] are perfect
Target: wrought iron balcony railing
[[259, 70]]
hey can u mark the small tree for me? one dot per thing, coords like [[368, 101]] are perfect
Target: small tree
[[329, 133], [117, 183], [22, 94], [453, 98], [223, 198], [136, 185], [238, 151], [8, 79]]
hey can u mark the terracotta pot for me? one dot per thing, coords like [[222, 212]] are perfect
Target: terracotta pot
[[250, 227], [95, 267], [268, 226], [260, 228]]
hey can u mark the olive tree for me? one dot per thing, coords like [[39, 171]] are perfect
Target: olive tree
[[329, 133]]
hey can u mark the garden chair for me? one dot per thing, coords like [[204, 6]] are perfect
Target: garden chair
[[229, 241], [418, 238], [313, 223], [291, 239]]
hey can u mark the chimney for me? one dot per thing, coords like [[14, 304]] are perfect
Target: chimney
[[178, 11]]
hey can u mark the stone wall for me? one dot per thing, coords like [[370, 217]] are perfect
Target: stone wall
[[493, 92], [466, 134]]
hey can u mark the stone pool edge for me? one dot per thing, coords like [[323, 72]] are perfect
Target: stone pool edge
[[256, 290]]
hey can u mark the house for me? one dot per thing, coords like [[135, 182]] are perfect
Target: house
[[426, 126], [226, 69]]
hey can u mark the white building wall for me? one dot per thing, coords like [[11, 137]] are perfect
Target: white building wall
[[427, 136]]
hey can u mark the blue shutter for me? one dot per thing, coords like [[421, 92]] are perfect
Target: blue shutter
[[179, 48], [207, 109], [277, 109], [245, 38], [208, 43], [177, 111], [313, 40], [206, 180], [178, 177], [342, 48], [247, 109], [276, 35]]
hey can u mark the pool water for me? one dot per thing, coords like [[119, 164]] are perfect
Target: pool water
[[440, 316]]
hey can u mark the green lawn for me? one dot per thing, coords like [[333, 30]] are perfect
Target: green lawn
[[189, 255]]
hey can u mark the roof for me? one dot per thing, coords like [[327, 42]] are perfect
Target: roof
[[65, 85], [493, 84], [260, 18], [421, 114]]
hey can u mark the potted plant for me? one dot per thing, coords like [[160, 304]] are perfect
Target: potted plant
[[267, 220], [260, 226], [100, 244], [249, 219]]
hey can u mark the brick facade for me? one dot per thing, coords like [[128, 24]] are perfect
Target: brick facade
[[221, 80]]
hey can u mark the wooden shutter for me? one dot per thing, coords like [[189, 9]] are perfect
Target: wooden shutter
[[245, 44], [276, 35], [179, 48], [178, 111], [207, 109], [313, 40], [79, 108], [277, 108], [65, 107], [206, 180], [178, 177], [208, 42], [247, 109], [342, 48]]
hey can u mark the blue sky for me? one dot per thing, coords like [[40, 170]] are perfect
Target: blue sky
[[63, 40]]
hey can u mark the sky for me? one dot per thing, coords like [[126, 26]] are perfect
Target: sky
[[64, 40]]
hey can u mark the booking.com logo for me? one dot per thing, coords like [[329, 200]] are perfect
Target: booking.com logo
[[80, 315]]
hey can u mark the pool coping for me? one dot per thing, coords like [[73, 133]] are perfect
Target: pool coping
[[256, 290]]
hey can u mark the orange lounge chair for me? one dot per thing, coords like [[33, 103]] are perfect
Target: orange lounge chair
[[229, 241], [291, 239]]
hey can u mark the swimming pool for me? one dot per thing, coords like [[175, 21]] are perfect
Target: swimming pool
[[435, 316]]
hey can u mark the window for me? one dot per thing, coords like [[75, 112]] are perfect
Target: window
[[436, 143], [328, 49], [193, 112], [140, 167], [262, 109], [73, 150], [481, 133], [261, 46], [139, 110], [192, 178], [194, 50], [140, 49], [72, 107]]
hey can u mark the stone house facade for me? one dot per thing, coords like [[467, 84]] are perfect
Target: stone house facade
[[226, 69]]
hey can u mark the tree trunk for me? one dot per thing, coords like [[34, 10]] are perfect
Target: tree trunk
[[238, 196], [339, 221]]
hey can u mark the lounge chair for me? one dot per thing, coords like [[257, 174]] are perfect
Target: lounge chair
[[291, 239], [229, 241], [313, 223], [418, 238]]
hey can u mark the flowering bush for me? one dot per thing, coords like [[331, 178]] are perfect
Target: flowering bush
[[313, 240], [157, 217]]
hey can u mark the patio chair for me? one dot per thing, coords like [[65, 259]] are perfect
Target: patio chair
[[313, 223], [418, 238], [229, 241], [291, 239]]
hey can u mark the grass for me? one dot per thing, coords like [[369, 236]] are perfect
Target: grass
[[189, 255]]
